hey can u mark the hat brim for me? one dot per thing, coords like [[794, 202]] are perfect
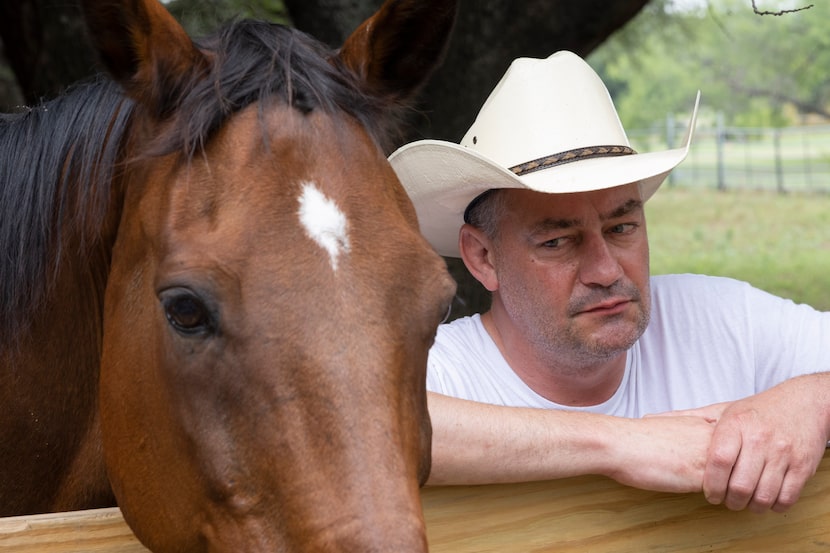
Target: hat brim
[[442, 178]]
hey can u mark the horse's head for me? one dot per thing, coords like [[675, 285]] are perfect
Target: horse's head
[[271, 302]]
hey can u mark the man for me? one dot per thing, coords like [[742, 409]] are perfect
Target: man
[[543, 200]]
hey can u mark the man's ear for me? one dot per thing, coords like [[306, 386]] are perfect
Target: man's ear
[[477, 253]]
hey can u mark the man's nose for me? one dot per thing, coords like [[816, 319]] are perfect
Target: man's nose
[[599, 266]]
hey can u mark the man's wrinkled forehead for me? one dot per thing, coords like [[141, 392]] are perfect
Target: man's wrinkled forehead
[[629, 207], [565, 210]]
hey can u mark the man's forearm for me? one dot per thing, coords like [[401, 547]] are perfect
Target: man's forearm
[[475, 443]]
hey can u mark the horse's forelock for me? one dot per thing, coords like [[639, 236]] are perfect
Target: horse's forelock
[[260, 62]]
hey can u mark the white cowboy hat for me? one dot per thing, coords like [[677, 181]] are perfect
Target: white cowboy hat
[[550, 126]]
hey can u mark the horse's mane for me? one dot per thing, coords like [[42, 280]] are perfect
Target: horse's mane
[[256, 61], [58, 160], [56, 163]]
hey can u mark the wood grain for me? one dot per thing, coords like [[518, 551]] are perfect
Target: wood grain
[[95, 531], [597, 515], [586, 514]]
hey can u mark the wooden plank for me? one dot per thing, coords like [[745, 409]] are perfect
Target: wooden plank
[[598, 515], [571, 515], [93, 531]]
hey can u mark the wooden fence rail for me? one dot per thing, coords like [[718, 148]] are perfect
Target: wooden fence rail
[[586, 514]]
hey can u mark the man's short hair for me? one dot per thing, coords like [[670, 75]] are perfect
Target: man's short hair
[[485, 211]]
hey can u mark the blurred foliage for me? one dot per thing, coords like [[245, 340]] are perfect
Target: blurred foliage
[[200, 17], [758, 70]]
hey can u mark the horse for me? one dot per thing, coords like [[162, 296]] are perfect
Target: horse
[[216, 302]]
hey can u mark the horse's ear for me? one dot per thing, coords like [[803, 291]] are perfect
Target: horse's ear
[[396, 50], [144, 48]]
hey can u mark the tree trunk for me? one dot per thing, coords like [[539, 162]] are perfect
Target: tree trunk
[[45, 45], [489, 34]]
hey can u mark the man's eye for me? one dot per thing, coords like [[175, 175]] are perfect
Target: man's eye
[[553, 243], [622, 228]]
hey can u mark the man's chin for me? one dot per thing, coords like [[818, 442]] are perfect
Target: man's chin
[[613, 339]]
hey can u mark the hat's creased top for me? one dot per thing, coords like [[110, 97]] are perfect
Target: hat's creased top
[[549, 125]]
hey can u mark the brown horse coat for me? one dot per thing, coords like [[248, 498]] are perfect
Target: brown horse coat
[[228, 320]]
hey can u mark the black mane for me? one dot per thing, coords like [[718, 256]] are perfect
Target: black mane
[[58, 160], [256, 61], [56, 165]]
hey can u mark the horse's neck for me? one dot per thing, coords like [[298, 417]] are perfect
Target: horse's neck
[[50, 402]]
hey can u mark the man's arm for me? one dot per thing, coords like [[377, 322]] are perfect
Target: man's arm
[[476, 443], [765, 447]]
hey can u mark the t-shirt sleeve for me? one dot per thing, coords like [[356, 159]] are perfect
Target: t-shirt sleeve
[[714, 339], [790, 339]]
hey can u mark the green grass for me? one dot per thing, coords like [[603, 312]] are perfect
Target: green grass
[[780, 243]]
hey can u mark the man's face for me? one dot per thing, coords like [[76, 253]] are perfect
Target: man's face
[[572, 271]]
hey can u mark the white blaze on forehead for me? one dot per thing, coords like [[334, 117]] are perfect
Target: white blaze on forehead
[[324, 222]]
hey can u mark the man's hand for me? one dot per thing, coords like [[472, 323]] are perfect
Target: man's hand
[[765, 447]]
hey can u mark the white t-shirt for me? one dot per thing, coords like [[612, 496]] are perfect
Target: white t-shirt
[[710, 339]]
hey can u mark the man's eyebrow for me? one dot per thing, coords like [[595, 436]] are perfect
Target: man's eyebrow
[[552, 223], [623, 210]]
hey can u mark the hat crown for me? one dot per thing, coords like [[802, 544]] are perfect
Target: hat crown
[[543, 107]]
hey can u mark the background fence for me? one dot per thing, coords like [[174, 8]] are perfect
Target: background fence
[[793, 159]]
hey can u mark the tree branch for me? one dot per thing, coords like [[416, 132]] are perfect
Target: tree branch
[[779, 12]]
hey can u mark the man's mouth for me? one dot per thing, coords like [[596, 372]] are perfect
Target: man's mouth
[[608, 307]]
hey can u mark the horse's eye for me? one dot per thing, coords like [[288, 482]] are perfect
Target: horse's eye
[[187, 313]]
